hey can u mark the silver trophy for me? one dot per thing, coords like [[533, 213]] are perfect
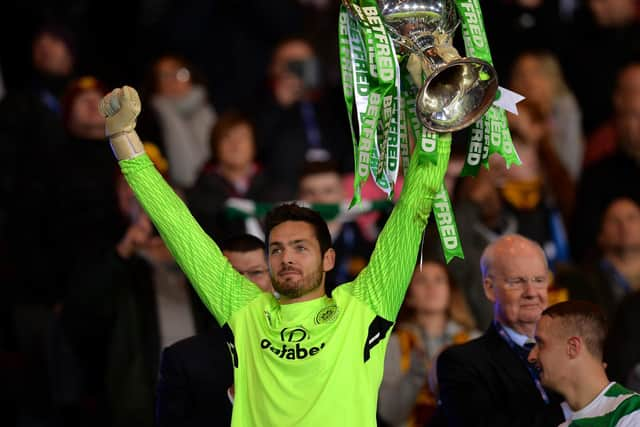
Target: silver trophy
[[457, 91]]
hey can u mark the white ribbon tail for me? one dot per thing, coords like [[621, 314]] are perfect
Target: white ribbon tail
[[507, 100]]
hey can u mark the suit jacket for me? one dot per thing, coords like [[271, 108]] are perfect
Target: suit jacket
[[195, 374], [484, 383]]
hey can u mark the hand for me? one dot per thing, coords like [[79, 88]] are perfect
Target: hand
[[121, 108], [137, 236]]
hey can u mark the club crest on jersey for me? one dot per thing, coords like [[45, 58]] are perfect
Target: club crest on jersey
[[327, 314]]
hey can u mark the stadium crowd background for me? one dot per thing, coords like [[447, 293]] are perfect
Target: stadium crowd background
[[242, 99]]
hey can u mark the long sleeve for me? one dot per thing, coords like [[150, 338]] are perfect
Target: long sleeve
[[399, 390], [221, 288], [383, 283]]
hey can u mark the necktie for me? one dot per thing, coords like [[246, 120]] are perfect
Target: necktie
[[524, 351]]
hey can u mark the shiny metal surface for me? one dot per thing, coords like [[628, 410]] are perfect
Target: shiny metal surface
[[457, 90]]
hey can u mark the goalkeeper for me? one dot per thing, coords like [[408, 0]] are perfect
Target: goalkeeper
[[304, 359]]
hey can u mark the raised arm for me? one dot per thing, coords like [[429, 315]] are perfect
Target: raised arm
[[220, 287], [383, 283]]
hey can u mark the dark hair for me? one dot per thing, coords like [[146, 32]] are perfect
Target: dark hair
[[293, 212], [584, 319], [458, 309], [150, 82], [242, 243], [59, 31], [319, 167], [227, 121]]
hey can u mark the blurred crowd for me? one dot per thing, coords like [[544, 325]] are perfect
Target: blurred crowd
[[242, 107]]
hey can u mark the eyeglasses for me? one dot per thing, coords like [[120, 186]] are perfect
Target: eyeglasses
[[520, 282], [182, 75]]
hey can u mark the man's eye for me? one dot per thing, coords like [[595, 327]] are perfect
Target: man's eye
[[276, 251]]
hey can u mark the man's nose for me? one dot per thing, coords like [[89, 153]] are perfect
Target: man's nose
[[529, 290], [287, 256]]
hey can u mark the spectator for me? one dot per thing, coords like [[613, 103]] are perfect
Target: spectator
[[297, 120], [616, 273], [610, 178], [179, 118], [603, 142], [123, 309], [31, 128], [196, 373], [86, 213], [434, 315], [232, 171], [488, 381], [321, 185], [568, 352], [537, 75]]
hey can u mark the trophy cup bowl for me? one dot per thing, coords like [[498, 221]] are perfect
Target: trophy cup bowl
[[456, 91]]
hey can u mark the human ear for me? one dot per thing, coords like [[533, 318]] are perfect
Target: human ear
[[329, 260], [489, 289], [574, 347]]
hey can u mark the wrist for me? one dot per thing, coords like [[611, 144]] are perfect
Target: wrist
[[126, 145]]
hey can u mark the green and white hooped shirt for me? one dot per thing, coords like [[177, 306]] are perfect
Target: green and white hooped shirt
[[615, 406], [315, 363]]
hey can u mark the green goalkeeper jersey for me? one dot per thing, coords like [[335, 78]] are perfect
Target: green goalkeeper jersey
[[313, 363]]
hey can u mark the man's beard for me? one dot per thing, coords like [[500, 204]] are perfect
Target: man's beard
[[304, 285]]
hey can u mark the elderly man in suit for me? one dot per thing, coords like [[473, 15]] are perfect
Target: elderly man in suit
[[488, 381]]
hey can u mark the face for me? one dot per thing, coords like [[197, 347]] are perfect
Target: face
[[321, 188], [620, 231], [85, 120], [51, 55], [517, 284], [530, 80], [429, 289], [236, 148], [297, 265], [550, 354], [173, 78], [252, 265], [287, 86], [295, 50]]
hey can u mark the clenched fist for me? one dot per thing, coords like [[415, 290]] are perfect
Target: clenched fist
[[121, 108]]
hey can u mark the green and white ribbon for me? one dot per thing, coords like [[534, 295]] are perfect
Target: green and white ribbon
[[446, 222], [377, 84], [497, 137], [237, 208], [376, 93]]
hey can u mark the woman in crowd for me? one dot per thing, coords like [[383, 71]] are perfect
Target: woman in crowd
[[434, 315], [537, 75], [179, 118], [231, 171]]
